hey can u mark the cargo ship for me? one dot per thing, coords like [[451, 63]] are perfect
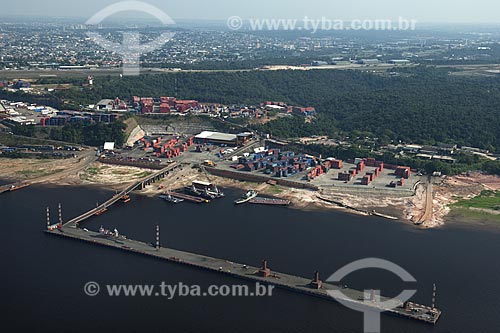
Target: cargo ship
[[247, 197]]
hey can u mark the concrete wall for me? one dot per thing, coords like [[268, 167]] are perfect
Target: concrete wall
[[259, 178], [136, 164]]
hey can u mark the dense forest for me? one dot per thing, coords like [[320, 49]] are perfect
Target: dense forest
[[80, 133], [421, 105]]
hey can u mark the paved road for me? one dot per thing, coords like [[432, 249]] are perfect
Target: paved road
[[24, 74], [428, 203], [85, 159]]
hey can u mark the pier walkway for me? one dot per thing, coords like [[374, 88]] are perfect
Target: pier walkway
[[137, 185], [247, 272]]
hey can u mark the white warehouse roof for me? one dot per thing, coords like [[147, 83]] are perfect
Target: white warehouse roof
[[109, 146], [216, 136]]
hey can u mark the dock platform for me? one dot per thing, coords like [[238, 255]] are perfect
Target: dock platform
[[246, 272], [270, 201], [188, 197]]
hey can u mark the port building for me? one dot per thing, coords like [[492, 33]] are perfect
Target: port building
[[217, 138]]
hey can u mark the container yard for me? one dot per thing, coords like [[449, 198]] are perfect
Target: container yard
[[369, 173], [359, 173]]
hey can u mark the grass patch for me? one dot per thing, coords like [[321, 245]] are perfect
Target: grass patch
[[31, 172], [53, 172], [275, 190], [38, 172], [143, 174], [486, 200], [13, 140], [473, 216], [93, 171], [120, 172]]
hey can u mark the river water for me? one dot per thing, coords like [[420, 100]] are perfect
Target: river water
[[43, 277]]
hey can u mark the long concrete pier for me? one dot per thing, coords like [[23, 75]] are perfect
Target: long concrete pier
[[247, 272]]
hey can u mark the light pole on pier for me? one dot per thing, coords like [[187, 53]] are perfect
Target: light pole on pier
[[48, 218], [434, 292], [157, 237], [60, 217]]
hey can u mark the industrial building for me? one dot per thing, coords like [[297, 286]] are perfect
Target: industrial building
[[216, 138], [105, 105], [62, 118]]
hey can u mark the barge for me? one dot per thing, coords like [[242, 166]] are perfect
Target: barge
[[168, 197], [270, 201], [13, 187], [189, 198]]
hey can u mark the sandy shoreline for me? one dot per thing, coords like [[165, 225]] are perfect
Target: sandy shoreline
[[85, 171]]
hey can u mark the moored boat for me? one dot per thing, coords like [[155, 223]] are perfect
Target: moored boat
[[208, 188], [169, 198], [247, 197]]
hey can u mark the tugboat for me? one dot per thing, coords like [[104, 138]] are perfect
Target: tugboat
[[169, 198], [247, 197]]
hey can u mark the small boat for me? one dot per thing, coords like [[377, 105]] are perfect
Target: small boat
[[192, 190], [169, 198], [247, 197], [208, 189], [111, 234], [18, 187], [207, 195], [200, 193]]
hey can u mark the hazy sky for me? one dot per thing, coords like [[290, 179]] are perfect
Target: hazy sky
[[487, 11]]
